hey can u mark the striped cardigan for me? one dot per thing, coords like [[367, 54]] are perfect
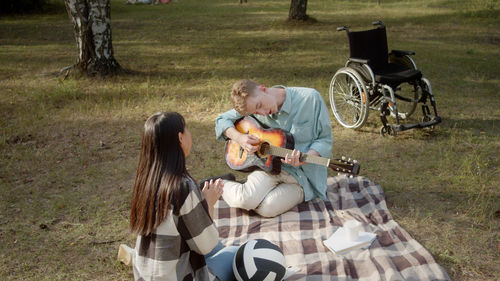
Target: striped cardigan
[[176, 249]]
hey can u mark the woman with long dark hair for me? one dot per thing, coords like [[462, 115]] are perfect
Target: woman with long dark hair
[[177, 238]]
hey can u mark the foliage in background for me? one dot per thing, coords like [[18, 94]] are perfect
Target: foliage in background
[[28, 6]]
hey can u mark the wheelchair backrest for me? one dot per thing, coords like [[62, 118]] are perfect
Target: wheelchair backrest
[[371, 45]]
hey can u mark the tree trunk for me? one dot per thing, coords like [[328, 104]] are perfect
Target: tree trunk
[[92, 25], [298, 10]]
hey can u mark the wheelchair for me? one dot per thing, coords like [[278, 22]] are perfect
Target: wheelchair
[[374, 79]]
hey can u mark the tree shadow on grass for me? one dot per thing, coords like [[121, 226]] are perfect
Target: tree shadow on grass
[[74, 192]]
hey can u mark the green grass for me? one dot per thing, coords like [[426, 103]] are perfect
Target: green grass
[[68, 148]]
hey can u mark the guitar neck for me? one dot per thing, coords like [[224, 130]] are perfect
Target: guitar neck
[[304, 157], [339, 165]]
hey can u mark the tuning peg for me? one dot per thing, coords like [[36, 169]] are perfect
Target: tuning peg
[[351, 176], [355, 161], [343, 170], [343, 157], [338, 174], [349, 160]]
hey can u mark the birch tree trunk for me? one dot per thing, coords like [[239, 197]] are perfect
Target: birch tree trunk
[[298, 10], [92, 27]]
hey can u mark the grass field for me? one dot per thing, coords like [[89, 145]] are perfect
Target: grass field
[[69, 147]]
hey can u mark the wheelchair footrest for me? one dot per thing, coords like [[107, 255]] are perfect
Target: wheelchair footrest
[[434, 120]]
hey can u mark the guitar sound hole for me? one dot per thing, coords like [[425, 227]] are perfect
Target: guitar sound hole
[[264, 149]]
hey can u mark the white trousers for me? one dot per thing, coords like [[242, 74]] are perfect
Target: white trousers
[[268, 195]]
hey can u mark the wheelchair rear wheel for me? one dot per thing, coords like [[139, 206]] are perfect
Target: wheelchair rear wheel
[[407, 94], [349, 98]]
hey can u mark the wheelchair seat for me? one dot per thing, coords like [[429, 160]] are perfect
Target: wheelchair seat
[[393, 74], [374, 78]]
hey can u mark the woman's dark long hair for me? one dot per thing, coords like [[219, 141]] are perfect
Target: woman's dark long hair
[[161, 167]]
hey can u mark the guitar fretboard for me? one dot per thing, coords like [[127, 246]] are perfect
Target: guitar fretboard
[[313, 159]]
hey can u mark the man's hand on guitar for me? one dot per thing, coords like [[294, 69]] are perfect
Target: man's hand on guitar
[[293, 159], [249, 142]]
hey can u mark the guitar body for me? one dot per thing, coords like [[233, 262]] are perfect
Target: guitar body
[[237, 157], [274, 145]]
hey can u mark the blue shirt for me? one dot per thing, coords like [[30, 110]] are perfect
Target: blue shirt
[[304, 114]]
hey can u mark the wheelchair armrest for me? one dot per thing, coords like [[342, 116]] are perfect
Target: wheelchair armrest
[[343, 28], [400, 53], [358, 60]]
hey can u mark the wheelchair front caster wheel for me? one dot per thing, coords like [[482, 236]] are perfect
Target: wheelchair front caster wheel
[[428, 118], [387, 130]]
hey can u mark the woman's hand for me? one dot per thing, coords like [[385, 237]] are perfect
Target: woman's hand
[[212, 190]]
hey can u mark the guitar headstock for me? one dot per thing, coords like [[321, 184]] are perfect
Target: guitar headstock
[[345, 166]]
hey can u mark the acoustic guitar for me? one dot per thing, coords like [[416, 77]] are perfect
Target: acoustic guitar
[[275, 144]]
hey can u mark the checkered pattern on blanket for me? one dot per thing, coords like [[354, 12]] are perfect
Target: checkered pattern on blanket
[[300, 232]]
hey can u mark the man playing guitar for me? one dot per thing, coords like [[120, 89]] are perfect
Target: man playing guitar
[[299, 111]]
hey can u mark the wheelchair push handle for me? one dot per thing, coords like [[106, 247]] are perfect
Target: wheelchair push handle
[[379, 22]]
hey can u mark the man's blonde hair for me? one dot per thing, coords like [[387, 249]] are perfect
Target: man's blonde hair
[[241, 90]]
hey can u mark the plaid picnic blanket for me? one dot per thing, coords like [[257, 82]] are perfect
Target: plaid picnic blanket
[[300, 232]]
